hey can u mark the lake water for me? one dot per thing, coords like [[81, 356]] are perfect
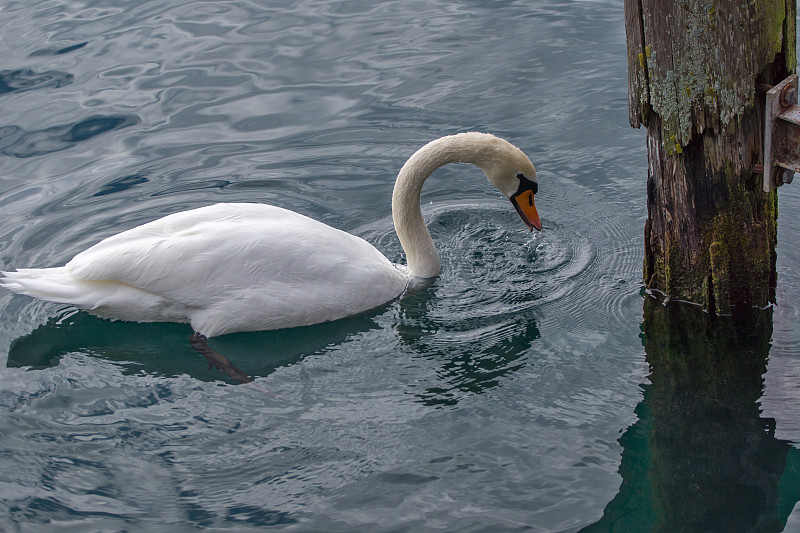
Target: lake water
[[533, 386]]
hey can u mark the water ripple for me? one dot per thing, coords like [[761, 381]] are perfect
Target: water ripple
[[479, 317], [28, 80], [17, 142], [57, 50]]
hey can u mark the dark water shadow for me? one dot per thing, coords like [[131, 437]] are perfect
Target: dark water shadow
[[15, 141], [122, 184], [22, 80], [701, 458], [58, 50], [473, 355], [163, 349]]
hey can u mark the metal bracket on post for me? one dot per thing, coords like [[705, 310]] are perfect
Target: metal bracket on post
[[781, 134]]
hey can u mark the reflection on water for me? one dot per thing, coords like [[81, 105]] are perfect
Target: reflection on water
[[471, 355], [58, 50], [701, 458], [17, 142], [163, 349], [121, 184], [28, 80]]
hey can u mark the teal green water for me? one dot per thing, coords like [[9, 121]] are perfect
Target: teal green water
[[533, 386]]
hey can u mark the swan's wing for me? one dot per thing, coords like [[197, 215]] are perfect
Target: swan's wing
[[225, 251]]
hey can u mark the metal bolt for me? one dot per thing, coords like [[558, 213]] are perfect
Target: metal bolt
[[789, 96]]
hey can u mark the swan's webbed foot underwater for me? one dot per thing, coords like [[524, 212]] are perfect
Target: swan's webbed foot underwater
[[217, 360]]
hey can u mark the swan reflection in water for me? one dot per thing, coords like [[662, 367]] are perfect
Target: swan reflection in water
[[160, 349], [469, 356]]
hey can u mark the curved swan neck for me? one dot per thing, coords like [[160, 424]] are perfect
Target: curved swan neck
[[479, 149]]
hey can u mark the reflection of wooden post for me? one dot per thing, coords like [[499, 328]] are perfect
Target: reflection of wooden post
[[693, 71], [701, 457]]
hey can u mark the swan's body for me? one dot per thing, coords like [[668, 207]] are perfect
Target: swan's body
[[224, 268], [248, 267]]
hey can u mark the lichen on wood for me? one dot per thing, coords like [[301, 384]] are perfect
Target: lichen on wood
[[693, 69], [695, 60]]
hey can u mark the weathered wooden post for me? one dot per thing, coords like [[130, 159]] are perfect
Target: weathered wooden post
[[695, 68]]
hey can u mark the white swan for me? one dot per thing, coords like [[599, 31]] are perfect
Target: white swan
[[247, 267]]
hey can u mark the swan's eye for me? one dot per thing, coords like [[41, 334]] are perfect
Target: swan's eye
[[526, 184]]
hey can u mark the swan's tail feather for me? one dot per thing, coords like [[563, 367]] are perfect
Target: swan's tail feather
[[105, 298], [52, 284]]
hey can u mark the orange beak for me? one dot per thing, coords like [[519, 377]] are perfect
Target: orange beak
[[525, 206]]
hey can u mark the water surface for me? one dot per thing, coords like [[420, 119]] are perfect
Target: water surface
[[531, 387]]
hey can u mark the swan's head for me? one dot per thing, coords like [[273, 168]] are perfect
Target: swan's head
[[505, 165], [510, 170]]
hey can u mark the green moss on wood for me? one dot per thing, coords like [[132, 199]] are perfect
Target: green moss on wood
[[736, 267], [673, 274], [643, 57], [741, 250]]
